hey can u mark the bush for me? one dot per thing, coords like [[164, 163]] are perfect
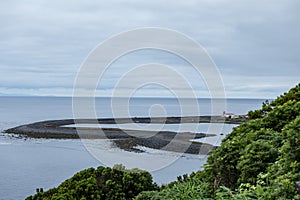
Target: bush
[[192, 188], [101, 183]]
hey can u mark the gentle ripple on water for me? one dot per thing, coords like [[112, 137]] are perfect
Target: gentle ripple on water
[[30, 163]]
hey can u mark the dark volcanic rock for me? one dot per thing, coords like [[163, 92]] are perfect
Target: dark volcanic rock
[[125, 139]]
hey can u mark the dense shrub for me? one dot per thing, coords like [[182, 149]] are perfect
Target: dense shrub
[[260, 159], [101, 183], [192, 188]]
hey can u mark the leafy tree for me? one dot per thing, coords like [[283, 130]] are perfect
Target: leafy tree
[[101, 183]]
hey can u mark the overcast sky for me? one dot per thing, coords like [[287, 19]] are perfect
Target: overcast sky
[[255, 44]]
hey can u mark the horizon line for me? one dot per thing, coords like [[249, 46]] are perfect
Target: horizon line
[[135, 97]]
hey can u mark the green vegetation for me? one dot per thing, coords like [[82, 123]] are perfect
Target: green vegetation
[[101, 183], [292, 95], [260, 159]]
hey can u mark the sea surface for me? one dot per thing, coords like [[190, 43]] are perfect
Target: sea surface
[[27, 164]]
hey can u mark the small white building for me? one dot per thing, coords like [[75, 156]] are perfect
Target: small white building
[[230, 115]]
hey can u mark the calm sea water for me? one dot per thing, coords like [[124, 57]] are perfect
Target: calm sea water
[[30, 163]]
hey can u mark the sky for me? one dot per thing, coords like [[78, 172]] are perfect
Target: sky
[[254, 44]]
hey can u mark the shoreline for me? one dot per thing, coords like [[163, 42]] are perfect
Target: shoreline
[[127, 139]]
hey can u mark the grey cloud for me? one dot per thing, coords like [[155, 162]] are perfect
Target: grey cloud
[[44, 42]]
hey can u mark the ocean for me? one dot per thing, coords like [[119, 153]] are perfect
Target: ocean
[[27, 164]]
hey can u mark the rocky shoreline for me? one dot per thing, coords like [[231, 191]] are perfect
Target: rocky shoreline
[[126, 139]]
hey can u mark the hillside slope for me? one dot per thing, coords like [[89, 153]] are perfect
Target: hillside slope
[[260, 159]]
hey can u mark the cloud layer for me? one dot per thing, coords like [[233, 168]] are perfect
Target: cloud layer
[[255, 44]]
